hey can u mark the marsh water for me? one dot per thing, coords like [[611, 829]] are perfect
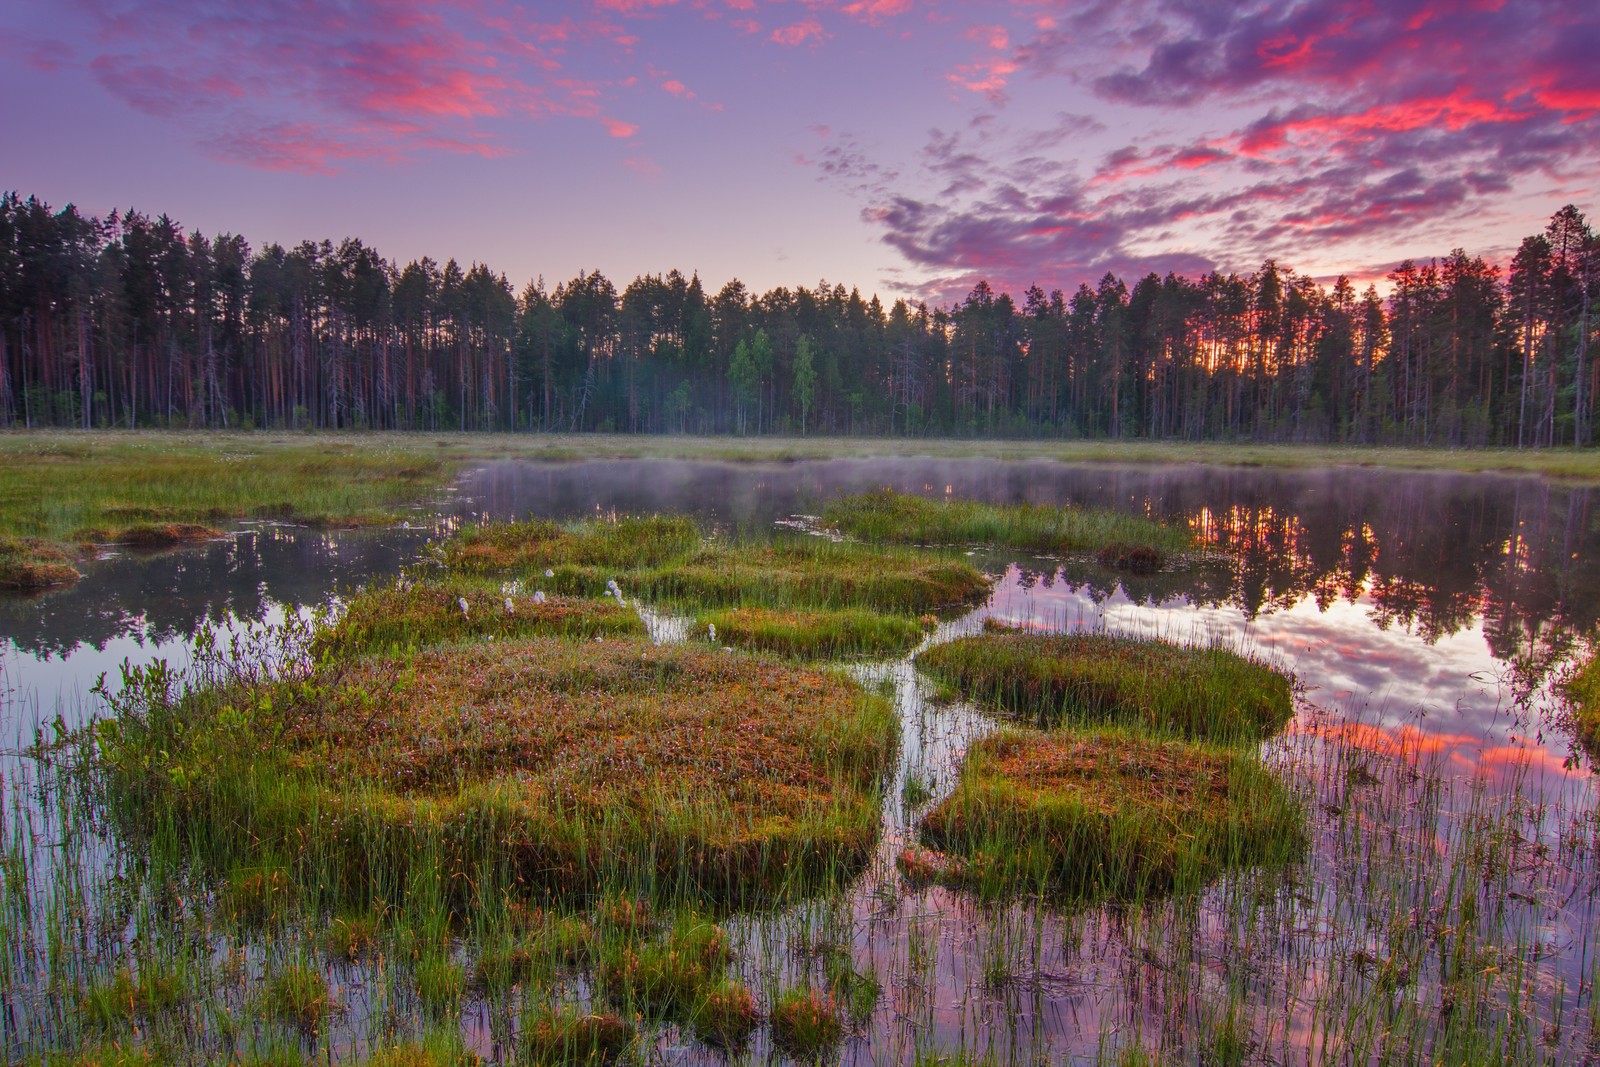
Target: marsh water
[[1427, 619]]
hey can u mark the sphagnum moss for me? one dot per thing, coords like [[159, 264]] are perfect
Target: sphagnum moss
[[1076, 679], [1108, 813], [544, 765]]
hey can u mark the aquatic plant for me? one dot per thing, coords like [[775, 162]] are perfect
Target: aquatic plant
[[406, 614], [1074, 679], [667, 560], [814, 633], [806, 1023]]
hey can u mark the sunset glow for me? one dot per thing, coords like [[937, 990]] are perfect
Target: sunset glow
[[909, 148]]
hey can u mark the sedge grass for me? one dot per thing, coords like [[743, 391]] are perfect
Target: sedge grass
[[846, 632], [888, 516], [1087, 815], [403, 614], [667, 560], [1076, 679]]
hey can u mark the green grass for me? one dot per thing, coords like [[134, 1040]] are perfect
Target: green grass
[[1583, 690], [814, 633], [60, 490], [403, 614], [298, 993], [1108, 813], [568, 1036], [540, 765], [1078, 679], [668, 561], [887, 516], [807, 1023]]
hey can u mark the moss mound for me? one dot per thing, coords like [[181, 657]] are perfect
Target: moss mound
[[1076, 679], [1108, 814], [537, 765], [28, 563]]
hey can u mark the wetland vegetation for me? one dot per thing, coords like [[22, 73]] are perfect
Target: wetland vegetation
[[452, 824]]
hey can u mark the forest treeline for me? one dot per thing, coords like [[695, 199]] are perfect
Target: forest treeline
[[128, 321]]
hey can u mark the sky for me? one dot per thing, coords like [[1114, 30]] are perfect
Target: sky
[[909, 148]]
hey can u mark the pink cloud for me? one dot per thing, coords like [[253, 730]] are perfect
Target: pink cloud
[[618, 128], [799, 33]]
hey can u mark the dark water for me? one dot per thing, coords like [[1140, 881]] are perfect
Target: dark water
[[1426, 614]]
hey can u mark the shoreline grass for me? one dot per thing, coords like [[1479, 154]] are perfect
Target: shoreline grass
[[901, 518], [1050, 680], [465, 448], [1108, 813]]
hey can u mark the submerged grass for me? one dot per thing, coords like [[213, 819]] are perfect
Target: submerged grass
[[667, 560], [535, 766], [815, 633], [1109, 813], [902, 518], [1075, 679]]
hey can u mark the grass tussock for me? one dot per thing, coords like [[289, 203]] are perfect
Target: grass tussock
[[127, 997], [901, 518], [563, 1036], [1108, 813], [815, 633], [154, 534], [807, 1023], [667, 560], [298, 994], [29, 563], [670, 975], [538, 765], [1077, 679], [402, 614]]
